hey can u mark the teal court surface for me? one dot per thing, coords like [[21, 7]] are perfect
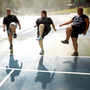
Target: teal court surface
[[44, 72], [25, 69]]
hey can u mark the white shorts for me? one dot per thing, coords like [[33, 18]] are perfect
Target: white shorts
[[13, 24], [9, 31]]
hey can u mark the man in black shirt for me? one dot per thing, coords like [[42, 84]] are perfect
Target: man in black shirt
[[10, 21], [80, 26]]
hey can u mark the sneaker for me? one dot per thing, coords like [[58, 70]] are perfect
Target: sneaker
[[75, 54], [65, 42], [39, 38], [11, 47], [41, 52], [14, 35]]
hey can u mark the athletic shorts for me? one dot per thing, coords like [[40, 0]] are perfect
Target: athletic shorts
[[9, 31], [13, 24], [46, 32], [77, 30]]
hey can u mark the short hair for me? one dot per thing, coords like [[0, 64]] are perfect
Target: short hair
[[43, 11], [80, 8], [8, 9]]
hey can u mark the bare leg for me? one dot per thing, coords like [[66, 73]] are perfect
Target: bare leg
[[41, 44], [41, 29], [13, 29], [75, 44], [10, 38], [68, 32]]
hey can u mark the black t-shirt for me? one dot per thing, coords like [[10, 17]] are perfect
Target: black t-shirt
[[80, 20], [8, 19], [46, 21]]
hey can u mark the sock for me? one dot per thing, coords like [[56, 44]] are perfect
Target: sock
[[40, 36], [11, 44]]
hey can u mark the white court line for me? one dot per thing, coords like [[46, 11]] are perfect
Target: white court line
[[6, 77], [50, 56], [62, 72]]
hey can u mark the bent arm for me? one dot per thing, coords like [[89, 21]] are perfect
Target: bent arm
[[35, 25], [87, 25], [66, 23], [4, 27], [19, 25], [54, 27]]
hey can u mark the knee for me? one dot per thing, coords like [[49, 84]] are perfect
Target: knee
[[74, 41], [41, 25], [10, 35], [69, 29], [10, 26]]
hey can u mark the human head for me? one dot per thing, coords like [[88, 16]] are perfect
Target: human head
[[80, 10], [43, 13], [8, 11]]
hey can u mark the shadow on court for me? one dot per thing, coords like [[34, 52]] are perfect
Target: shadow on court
[[43, 77], [13, 64], [81, 63]]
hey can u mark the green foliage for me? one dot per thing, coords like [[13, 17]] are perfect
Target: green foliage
[[86, 11], [33, 6]]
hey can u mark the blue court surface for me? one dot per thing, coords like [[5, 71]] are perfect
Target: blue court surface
[[44, 72]]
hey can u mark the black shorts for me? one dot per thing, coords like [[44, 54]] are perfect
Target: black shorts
[[77, 30], [46, 31]]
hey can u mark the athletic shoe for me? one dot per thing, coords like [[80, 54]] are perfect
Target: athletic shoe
[[39, 38], [75, 54], [65, 42], [41, 52], [14, 35], [11, 47]]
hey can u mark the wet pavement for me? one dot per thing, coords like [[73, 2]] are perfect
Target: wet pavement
[[25, 69]]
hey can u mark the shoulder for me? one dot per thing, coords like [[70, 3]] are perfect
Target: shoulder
[[5, 16], [75, 16], [13, 15], [38, 19], [84, 16], [48, 17]]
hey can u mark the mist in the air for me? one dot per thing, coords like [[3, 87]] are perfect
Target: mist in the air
[[29, 7]]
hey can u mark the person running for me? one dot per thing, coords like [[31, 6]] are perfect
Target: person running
[[10, 21], [43, 28], [80, 26]]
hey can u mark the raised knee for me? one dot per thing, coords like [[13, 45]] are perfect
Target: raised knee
[[10, 26], [41, 25], [69, 28]]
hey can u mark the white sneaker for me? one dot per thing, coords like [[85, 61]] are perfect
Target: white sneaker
[[41, 52]]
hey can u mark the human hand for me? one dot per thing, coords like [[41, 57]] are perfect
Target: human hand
[[60, 25], [4, 29], [35, 25], [19, 27], [55, 30], [84, 33]]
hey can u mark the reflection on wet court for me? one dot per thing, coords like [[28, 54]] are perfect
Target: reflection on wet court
[[56, 70], [44, 72]]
